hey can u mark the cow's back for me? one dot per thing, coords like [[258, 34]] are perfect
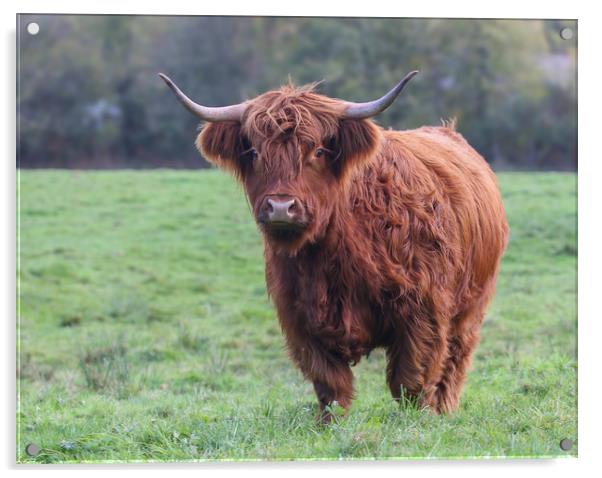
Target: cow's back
[[430, 206]]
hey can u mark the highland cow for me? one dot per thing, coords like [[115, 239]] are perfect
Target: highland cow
[[373, 238]]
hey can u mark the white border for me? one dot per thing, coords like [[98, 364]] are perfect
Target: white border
[[590, 233]]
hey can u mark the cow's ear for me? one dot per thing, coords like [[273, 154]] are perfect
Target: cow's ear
[[356, 142], [223, 144]]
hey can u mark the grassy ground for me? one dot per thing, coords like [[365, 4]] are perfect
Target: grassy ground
[[146, 334]]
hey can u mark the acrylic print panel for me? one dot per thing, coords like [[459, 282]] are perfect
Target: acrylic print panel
[[310, 282]]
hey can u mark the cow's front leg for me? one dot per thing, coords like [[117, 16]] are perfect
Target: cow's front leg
[[331, 377], [335, 387]]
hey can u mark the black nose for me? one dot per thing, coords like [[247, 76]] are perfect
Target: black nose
[[281, 210]]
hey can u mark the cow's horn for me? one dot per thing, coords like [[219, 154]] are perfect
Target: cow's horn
[[206, 113], [372, 108]]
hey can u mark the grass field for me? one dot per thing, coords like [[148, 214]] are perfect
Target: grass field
[[146, 333]]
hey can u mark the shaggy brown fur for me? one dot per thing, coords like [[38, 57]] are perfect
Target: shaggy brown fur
[[401, 248]]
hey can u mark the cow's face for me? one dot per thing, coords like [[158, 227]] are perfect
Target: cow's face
[[294, 154]]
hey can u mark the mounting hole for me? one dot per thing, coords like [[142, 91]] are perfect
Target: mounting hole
[[32, 449], [33, 28], [566, 444], [566, 33]]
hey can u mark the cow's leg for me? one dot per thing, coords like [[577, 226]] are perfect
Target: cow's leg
[[336, 392], [331, 377], [333, 384], [452, 382], [463, 339], [416, 360]]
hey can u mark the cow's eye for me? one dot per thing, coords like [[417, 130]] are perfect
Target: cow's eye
[[319, 152], [254, 154]]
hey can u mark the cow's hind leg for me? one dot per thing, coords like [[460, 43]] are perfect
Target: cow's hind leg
[[450, 387], [415, 361], [463, 339]]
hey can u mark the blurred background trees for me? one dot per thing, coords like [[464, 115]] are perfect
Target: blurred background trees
[[89, 96]]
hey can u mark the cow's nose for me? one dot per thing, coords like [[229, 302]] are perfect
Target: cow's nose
[[281, 211]]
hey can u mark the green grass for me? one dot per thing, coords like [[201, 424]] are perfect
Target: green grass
[[146, 333]]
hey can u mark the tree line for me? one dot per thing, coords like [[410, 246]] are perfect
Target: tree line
[[89, 95]]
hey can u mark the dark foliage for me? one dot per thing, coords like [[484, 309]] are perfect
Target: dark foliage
[[89, 96]]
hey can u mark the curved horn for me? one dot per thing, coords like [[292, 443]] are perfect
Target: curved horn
[[206, 113], [372, 108]]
